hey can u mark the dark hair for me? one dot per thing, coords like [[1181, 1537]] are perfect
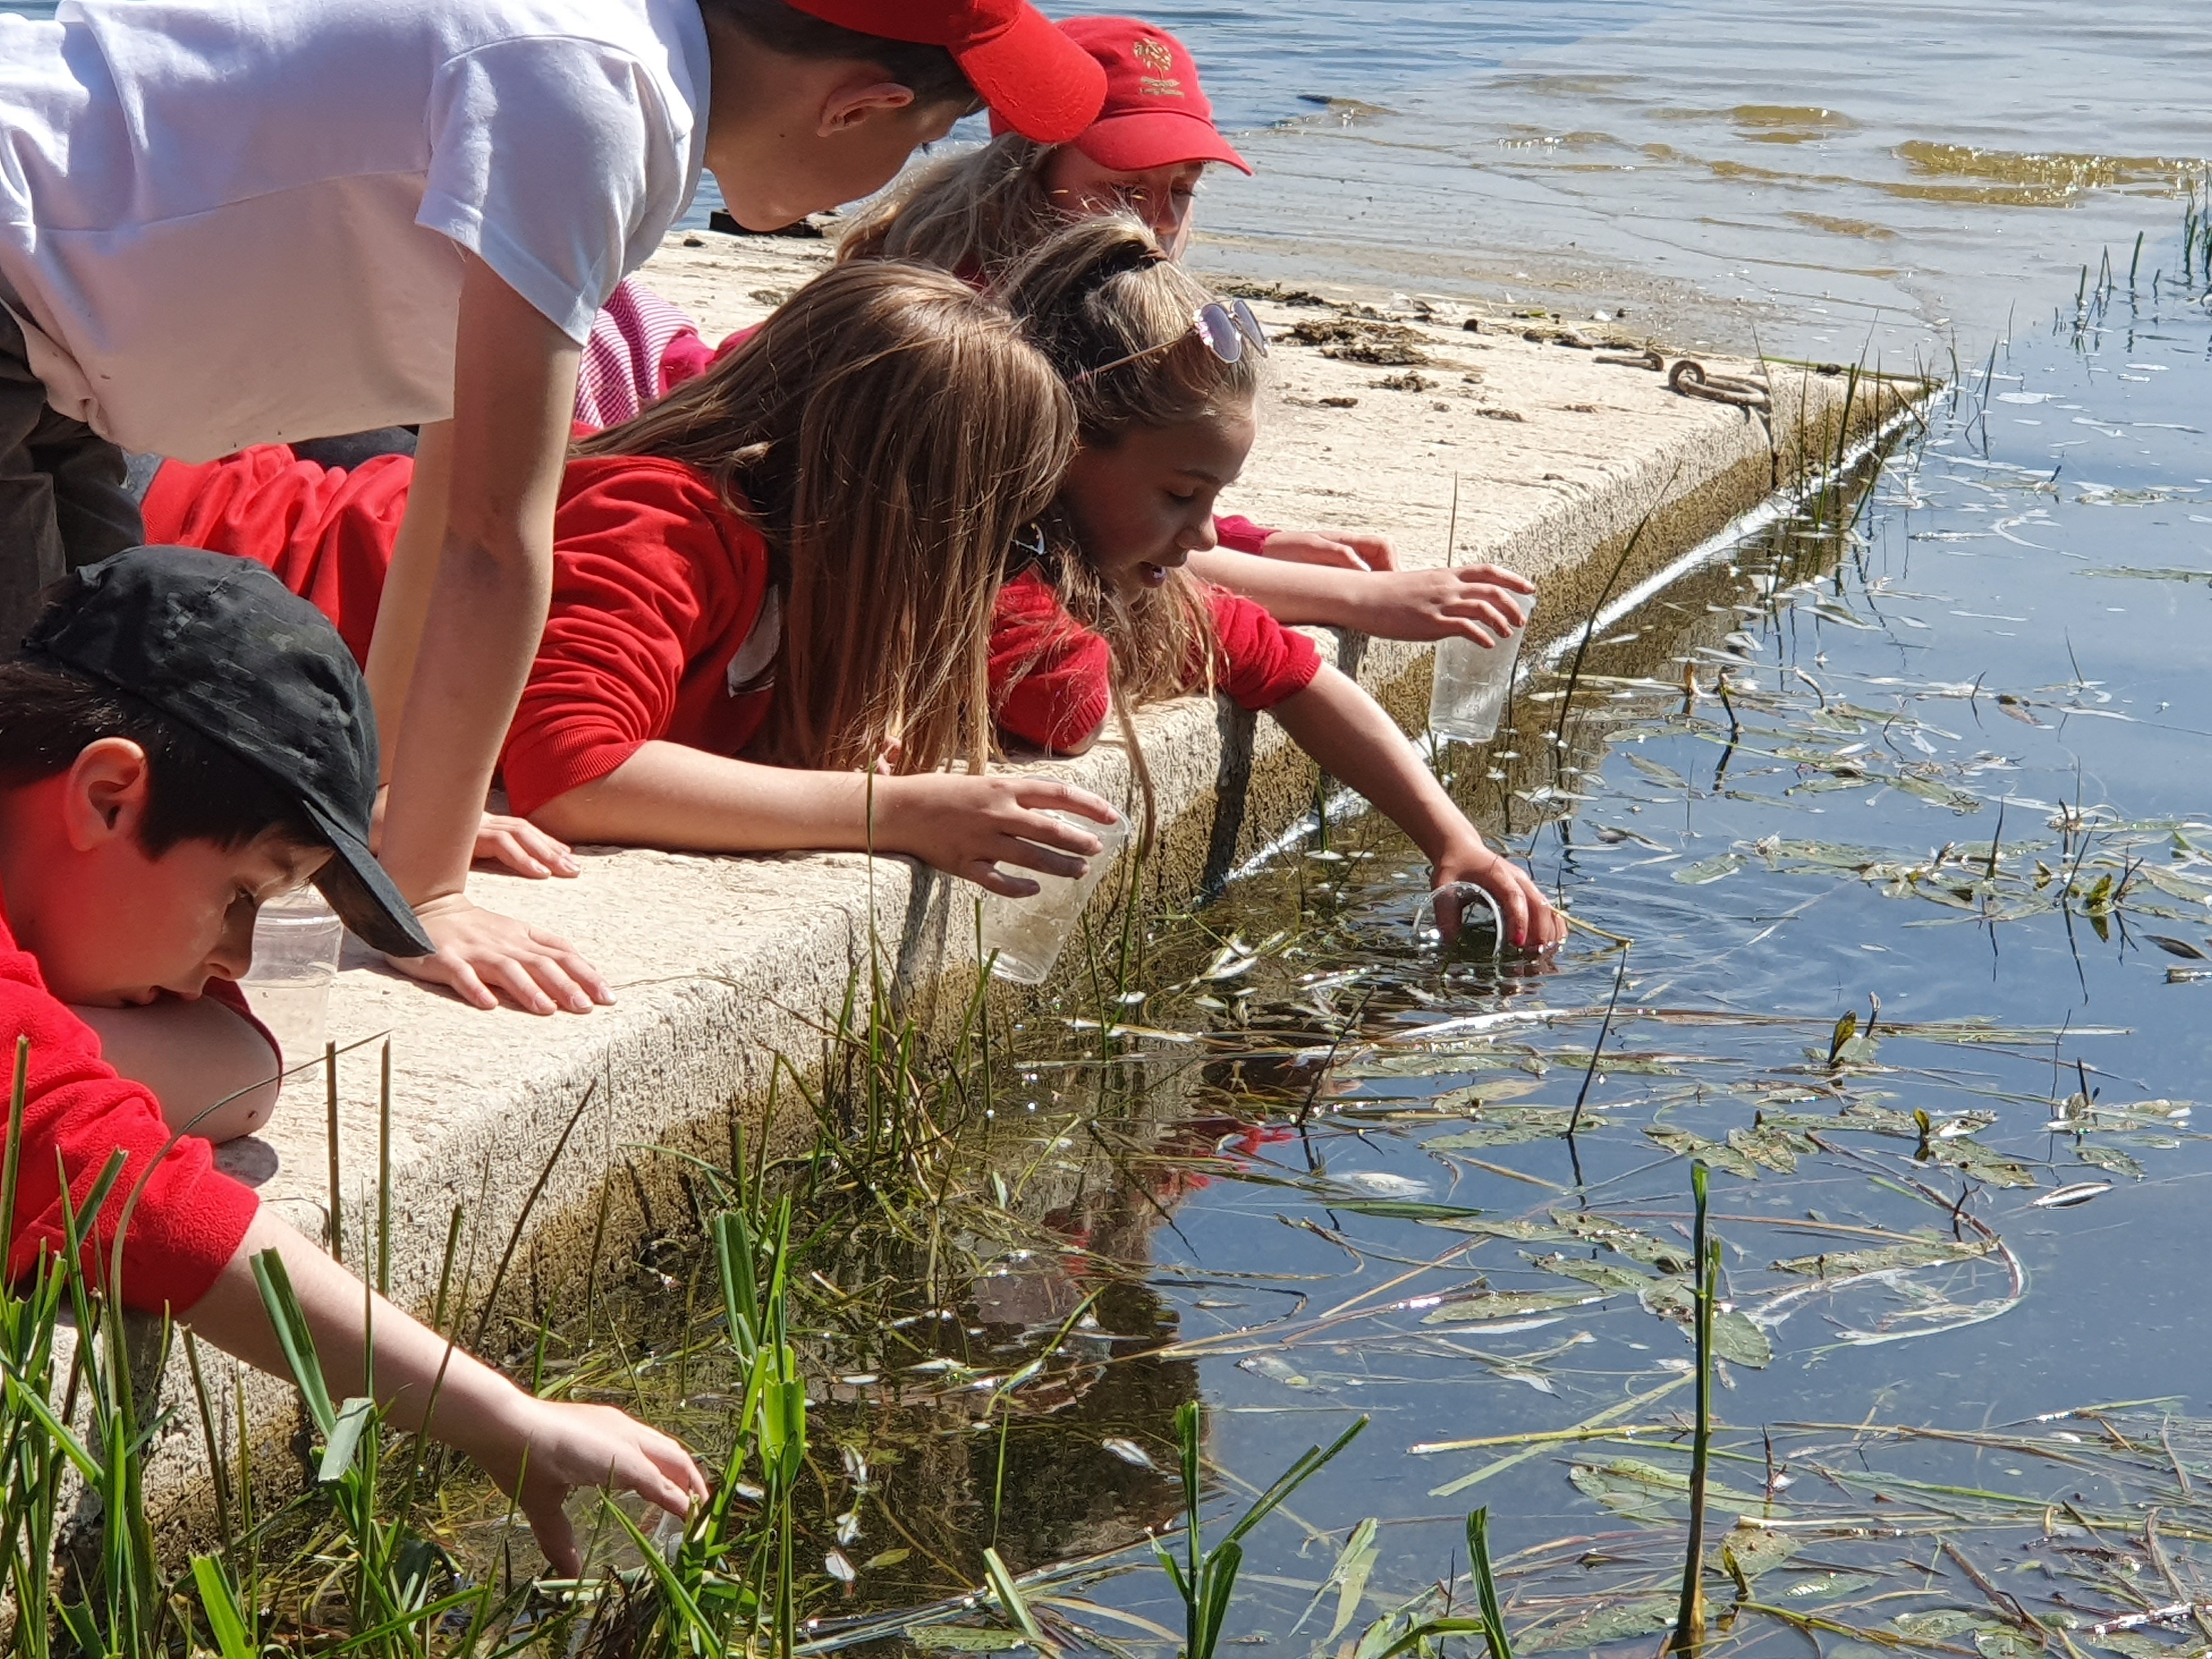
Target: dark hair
[[932, 73], [199, 791]]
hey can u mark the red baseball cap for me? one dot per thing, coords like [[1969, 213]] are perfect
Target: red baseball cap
[[1156, 114], [1040, 83]]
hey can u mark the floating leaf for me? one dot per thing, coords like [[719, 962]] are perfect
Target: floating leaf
[[1639, 1491], [959, 1638], [2177, 947], [1594, 1627], [1826, 1586], [1601, 1276], [1771, 1147], [1523, 1232], [1917, 1253], [1940, 1623], [1737, 1338], [1668, 1256], [1756, 1549], [2108, 1158], [1685, 1145], [1978, 1161], [1503, 1304], [1508, 1126], [1708, 870], [1995, 1644], [1656, 772]]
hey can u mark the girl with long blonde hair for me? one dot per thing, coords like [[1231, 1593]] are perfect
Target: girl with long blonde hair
[[772, 592], [1164, 377]]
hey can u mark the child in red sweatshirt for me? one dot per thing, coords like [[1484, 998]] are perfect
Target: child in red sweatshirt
[[746, 652], [1165, 378], [181, 740]]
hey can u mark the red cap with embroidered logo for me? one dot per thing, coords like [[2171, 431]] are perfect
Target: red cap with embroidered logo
[[1041, 83], [1156, 114]]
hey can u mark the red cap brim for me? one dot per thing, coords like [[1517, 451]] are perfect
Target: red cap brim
[[1037, 79], [1156, 138]]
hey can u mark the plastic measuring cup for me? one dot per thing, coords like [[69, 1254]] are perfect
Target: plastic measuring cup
[[1023, 938], [1468, 692], [296, 940]]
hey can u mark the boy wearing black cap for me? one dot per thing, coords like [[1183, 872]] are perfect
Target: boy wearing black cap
[[182, 740], [235, 222]]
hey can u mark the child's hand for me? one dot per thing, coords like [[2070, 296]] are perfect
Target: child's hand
[[1345, 549], [1473, 602], [1531, 923], [969, 826], [522, 847], [482, 956], [539, 1451]]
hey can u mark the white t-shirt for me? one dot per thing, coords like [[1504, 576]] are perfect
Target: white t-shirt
[[235, 222]]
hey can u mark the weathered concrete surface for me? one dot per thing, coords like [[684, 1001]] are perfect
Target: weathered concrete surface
[[724, 963]]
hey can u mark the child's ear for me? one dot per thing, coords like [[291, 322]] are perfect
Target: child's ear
[[106, 793], [860, 98]]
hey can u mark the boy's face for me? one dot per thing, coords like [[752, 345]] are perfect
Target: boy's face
[[1144, 506], [787, 136], [112, 926]]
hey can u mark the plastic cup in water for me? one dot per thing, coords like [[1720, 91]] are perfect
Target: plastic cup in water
[[295, 957], [1023, 938], [1467, 693]]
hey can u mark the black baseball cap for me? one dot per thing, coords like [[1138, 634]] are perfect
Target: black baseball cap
[[218, 644]]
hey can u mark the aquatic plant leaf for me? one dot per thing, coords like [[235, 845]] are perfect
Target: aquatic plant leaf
[[2110, 1158], [1685, 1145], [1595, 1626], [1709, 870], [1941, 794], [1978, 1161], [1917, 1253], [1276, 1369], [343, 1440], [1668, 1256], [1756, 1549], [1399, 1209], [2176, 947], [1772, 1148], [1504, 1305], [1737, 1338], [1657, 772], [1523, 1232], [1650, 1492], [1600, 1275], [2074, 1192], [1938, 1624], [1511, 1126]]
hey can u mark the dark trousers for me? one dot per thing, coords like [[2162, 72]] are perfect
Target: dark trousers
[[64, 500]]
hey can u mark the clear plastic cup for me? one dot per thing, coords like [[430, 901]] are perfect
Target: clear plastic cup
[[1466, 695], [1023, 938], [295, 958]]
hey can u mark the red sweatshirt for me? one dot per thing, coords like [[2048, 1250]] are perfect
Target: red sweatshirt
[[189, 1219], [657, 589], [1048, 672]]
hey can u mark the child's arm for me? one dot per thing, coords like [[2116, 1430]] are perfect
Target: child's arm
[[466, 600], [668, 795], [1354, 740], [1469, 601], [213, 1073], [536, 1449]]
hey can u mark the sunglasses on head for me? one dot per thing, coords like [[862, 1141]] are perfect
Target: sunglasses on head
[[1227, 328]]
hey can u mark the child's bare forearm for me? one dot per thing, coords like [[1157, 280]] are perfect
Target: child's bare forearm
[[1355, 741], [1290, 592], [669, 795], [404, 604], [412, 1361], [214, 1075]]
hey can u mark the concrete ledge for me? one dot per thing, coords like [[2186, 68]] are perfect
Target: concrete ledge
[[723, 963]]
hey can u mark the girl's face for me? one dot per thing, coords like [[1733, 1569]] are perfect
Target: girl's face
[[1161, 197], [1144, 505]]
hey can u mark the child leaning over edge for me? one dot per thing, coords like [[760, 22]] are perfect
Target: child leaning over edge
[[1165, 381], [225, 222], [181, 741], [772, 592]]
